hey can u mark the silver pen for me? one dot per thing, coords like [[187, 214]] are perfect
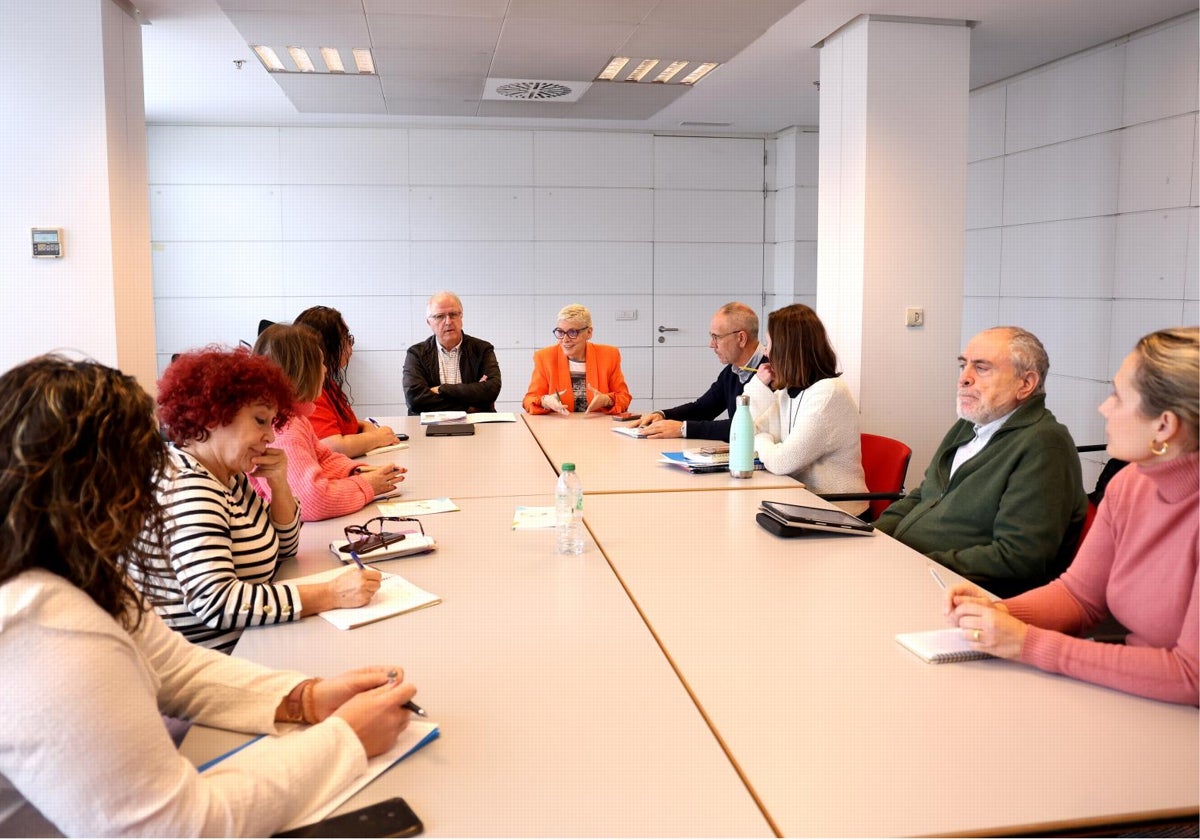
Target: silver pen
[[937, 578]]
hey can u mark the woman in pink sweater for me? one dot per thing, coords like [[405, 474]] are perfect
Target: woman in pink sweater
[[1139, 561], [326, 483]]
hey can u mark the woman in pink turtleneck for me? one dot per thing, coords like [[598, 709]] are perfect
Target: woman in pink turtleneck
[[1139, 561], [326, 483]]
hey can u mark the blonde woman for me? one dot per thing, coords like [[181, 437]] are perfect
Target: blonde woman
[[576, 374]]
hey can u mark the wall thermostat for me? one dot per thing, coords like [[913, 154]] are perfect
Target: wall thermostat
[[47, 243]]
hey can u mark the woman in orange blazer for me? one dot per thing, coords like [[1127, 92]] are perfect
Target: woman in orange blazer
[[575, 374]]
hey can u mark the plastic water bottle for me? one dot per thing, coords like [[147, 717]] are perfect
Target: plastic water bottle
[[568, 511], [741, 440]]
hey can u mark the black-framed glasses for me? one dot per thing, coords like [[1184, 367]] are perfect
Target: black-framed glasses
[[572, 334], [713, 338], [363, 539]]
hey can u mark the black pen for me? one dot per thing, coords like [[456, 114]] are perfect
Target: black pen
[[936, 577], [410, 705]]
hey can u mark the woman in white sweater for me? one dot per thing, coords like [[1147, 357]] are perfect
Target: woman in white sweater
[[805, 420], [89, 668]]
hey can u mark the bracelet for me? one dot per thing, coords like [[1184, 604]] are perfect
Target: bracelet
[[298, 704]]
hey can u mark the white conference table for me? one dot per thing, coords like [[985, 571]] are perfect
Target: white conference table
[[559, 714], [787, 646], [611, 463], [500, 459]]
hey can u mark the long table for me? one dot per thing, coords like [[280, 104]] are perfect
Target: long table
[[613, 463], [559, 715], [788, 647], [691, 674]]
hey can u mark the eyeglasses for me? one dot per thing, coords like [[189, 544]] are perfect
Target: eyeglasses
[[439, 317], [713, 338], [572, 334], [362, 539]]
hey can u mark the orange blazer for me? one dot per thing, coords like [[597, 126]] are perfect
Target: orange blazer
[[552, 372]]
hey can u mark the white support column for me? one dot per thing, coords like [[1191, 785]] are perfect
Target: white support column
[[74, 156], [891, 218]]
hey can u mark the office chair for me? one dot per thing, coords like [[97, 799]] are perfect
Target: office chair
[[885, 464]]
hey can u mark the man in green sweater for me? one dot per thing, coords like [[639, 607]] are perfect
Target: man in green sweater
[[1002, 502]]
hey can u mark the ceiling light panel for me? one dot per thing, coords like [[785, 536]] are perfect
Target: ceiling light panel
[[622, 68], [301, 59]]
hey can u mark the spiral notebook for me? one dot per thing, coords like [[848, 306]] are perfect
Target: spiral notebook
[[945, 645]]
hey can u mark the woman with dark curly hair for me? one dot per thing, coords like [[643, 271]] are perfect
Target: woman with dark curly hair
[[220, 409], [89, 668], [328, 483], [333, 419]]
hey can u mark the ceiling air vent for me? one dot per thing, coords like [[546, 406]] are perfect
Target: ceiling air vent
[[534, 90]]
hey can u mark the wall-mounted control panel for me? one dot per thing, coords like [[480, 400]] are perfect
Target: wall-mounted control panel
[[47, 243]]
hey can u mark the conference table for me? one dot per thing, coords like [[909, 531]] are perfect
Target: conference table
[[691, 674]]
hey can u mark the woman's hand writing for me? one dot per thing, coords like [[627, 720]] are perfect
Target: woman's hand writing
[[378, 716], [329, 694], [985, 622]]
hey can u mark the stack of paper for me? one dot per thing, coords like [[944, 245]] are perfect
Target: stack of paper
[[492, 417], [429, 417], [411, 544], [420, 507], [396, 596], [680, 459], [392, 447], [631, 431]]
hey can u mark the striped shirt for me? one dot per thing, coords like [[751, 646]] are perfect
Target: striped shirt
[[223, 551]]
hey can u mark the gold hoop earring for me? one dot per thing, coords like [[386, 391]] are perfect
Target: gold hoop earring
[[1154, 444]]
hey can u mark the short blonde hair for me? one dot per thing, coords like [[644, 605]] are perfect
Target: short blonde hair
[[1168, 375], [576, 313]]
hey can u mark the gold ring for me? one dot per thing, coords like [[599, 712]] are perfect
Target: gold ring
[[976, 636]]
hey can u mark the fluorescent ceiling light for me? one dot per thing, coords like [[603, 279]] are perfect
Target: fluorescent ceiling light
[[614, 67], [669, 71], [332, 59], [303, 62], [642, 69], [699, 73], [363, 60], [269, 59]]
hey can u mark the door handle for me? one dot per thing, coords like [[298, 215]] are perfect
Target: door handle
[[668, 329]]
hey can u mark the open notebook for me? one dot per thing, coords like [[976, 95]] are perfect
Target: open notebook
[[396, 596], [945, 645]]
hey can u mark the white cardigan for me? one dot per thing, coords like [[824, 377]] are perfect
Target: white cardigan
[[83, 749], [814, 438]]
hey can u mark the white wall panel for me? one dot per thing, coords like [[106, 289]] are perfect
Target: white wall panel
[[979, 314], [320, 155], [981, 262], [472, 267], [471, 213], [779, 215], [349, 212], [470, 158], [781, 161], [516, 367], [1191, 287], [806, 159], [349, 268], [1160, 73], [593, 215], [225, 213], [376, 385], [607, 329], [708, 216], [794, 270], [1067, 259], [806, 270], [584, 267], [706, 163], [1074, 402], [1151, 254], [188, 323], [185, 154], [592, 159], [806, 214], [379, 322], [729, 269], [507, 321], [1065, 181], [690, 315], [1191, 312], [1074, 332], [637, 365], [1195, 190], [985, 193], [985, 123], [214, 270], [1155, 160], [1070, 99], [1132, 319]]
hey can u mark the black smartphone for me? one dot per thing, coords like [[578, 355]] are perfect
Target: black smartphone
[[627, 415], [390, 818], [401, 436]]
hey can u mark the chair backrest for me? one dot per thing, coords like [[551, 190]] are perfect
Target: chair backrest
[[885, 464]]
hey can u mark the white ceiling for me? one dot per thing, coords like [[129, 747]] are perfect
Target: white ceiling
[[433, 56]]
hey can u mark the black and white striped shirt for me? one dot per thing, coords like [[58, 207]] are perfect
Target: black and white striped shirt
[[223, 550]]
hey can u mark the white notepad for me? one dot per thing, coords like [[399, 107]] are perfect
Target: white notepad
[[392, 447], [396, 596], [945, 645], [631, 431], [411, 544]]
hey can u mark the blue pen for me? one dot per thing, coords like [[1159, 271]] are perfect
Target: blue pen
[[357, 562], [373, 422]]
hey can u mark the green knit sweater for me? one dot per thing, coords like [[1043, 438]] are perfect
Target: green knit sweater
[[1010, 518]]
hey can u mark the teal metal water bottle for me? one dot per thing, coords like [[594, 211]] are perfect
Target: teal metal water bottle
[[741, 440]]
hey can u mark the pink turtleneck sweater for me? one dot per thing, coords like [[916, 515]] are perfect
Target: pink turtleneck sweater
[[319, 477], [1139, 563]]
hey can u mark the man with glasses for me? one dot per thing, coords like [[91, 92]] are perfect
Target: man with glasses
[[450, 370], [733, 336]]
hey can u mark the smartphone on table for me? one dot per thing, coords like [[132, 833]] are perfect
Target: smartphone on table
[[390, 818]]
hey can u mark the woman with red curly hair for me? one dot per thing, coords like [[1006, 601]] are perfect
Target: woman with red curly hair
[[220, 410]]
